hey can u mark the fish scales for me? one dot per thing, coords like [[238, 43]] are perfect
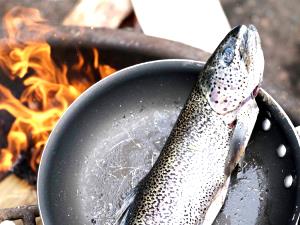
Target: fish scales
[[178, 180], [189, 181]]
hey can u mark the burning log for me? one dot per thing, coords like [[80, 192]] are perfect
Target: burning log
[[26, 213]]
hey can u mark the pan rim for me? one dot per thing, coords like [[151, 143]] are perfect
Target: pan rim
[[117, 77]]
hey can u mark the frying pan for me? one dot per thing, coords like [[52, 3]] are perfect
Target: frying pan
[[110, 136]]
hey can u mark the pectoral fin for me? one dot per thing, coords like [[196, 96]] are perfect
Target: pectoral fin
[[246, 119], [123, 211]]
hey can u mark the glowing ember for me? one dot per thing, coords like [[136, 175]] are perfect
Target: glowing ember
[[49, 89]]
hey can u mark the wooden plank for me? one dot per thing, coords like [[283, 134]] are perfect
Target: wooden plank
[[201, 24]]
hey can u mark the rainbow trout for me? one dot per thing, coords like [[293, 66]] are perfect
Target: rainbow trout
[[188, 183]]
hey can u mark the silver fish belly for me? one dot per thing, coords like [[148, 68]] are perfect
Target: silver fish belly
[[187, 182]]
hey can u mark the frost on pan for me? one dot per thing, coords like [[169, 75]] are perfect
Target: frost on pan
[[129, 156]]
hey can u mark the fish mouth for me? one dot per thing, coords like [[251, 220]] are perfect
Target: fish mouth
[[250, 37], [253, 56], [250, 42]]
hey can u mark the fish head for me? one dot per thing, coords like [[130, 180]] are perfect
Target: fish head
[[234, 71]]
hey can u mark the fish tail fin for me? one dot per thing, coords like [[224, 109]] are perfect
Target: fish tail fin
[[121, 214]]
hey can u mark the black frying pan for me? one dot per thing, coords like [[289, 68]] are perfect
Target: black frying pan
[[108, 138]]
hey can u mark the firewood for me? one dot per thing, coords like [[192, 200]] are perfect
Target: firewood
[[99, 13], [15, 192]]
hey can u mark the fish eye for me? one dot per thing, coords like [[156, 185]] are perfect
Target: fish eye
[[228, 55]]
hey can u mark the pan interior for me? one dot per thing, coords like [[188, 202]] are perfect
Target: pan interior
[[110, 137]]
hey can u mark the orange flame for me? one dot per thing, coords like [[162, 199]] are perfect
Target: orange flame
[[48, 91]]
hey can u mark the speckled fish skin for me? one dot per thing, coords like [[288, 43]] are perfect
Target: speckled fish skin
[[197, 158]]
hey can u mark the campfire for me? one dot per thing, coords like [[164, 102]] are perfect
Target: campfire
[[45, 87], [43, 69]]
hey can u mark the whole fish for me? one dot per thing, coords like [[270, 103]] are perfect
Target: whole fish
[[188, 183]]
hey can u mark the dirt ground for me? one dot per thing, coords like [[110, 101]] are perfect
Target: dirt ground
[[278, 23]]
